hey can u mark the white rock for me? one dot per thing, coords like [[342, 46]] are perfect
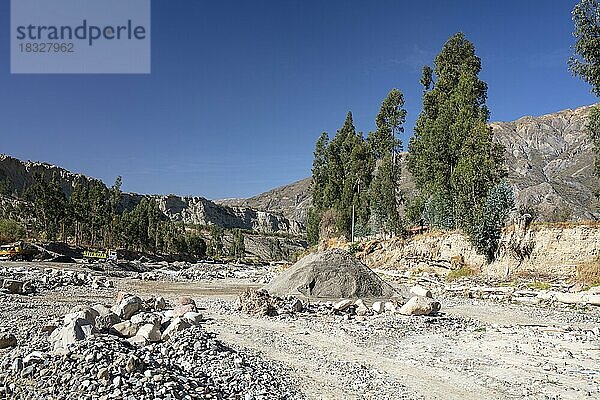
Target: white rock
[[75, 330], [150, 332], [418, 290], [390, 306], [193, 318], [419, 305], [127, 307], [124, 329], [177, 325], [378, 307], [343, 305]]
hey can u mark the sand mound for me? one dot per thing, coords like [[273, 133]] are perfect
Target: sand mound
[[330, 274]]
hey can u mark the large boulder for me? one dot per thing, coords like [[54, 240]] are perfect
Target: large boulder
[[419, 305], [77, 329], [13, 286], [127, 307], [330, 274]]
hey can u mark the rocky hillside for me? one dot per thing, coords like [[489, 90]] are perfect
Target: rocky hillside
[[549, 161], [292, 201], [19, 175]]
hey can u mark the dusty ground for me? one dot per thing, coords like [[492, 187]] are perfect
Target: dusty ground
[[475, 350]]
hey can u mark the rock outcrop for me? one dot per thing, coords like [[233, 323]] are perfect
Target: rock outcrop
[[549, 160], [292, 201]]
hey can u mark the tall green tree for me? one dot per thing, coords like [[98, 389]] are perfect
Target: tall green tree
[[385, 147], [342, 169], [452, 156], [585, 61]]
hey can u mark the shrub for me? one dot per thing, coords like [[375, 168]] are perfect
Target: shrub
[[462, 272], [11, 231]]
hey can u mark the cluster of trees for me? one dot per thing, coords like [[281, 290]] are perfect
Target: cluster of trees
[[585, 61], [355, 179], [93, 215], [456, 166]]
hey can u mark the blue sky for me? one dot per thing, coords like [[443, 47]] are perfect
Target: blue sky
[[239, 91]]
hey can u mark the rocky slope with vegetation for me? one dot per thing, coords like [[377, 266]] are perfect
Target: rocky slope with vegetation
[[549, 161], [17, 176]]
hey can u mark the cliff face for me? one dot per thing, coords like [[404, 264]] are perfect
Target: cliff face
[[549, 163], [20, 175], [198, 210]]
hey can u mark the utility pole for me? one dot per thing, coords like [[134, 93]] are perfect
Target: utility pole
[[353, 218]]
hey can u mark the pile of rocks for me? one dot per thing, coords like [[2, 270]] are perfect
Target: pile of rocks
[[138, 321], [192, 365], [205, 271], [261, 303], [21, 280]]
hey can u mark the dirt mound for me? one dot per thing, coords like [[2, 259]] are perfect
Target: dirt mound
[[330, 274]]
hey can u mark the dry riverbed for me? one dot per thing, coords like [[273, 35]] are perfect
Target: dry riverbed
[[473, 349]]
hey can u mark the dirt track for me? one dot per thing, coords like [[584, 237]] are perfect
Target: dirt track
[[476, 349]]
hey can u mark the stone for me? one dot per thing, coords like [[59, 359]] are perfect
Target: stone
[[127, 307], [121, 296], [361, 308], [75, 330], [389, 306], [343, 305], [179, 311], [7, 340], [378, 307], [418, 290], [184, 301], [133, 364], [160, 303], [83, 312], [13, 286], [146, 318], [297, 305], [418, 305], [150, 332], [138, 340], [35, 357], [124, 329], [176, 325], [193, 318]]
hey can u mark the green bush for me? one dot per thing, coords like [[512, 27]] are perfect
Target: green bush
[[11, 231]]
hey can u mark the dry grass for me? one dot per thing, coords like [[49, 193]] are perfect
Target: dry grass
[[588, 273], [434, 233], [462, 272]]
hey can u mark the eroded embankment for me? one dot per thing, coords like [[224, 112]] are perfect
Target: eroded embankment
[[539, 249]]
